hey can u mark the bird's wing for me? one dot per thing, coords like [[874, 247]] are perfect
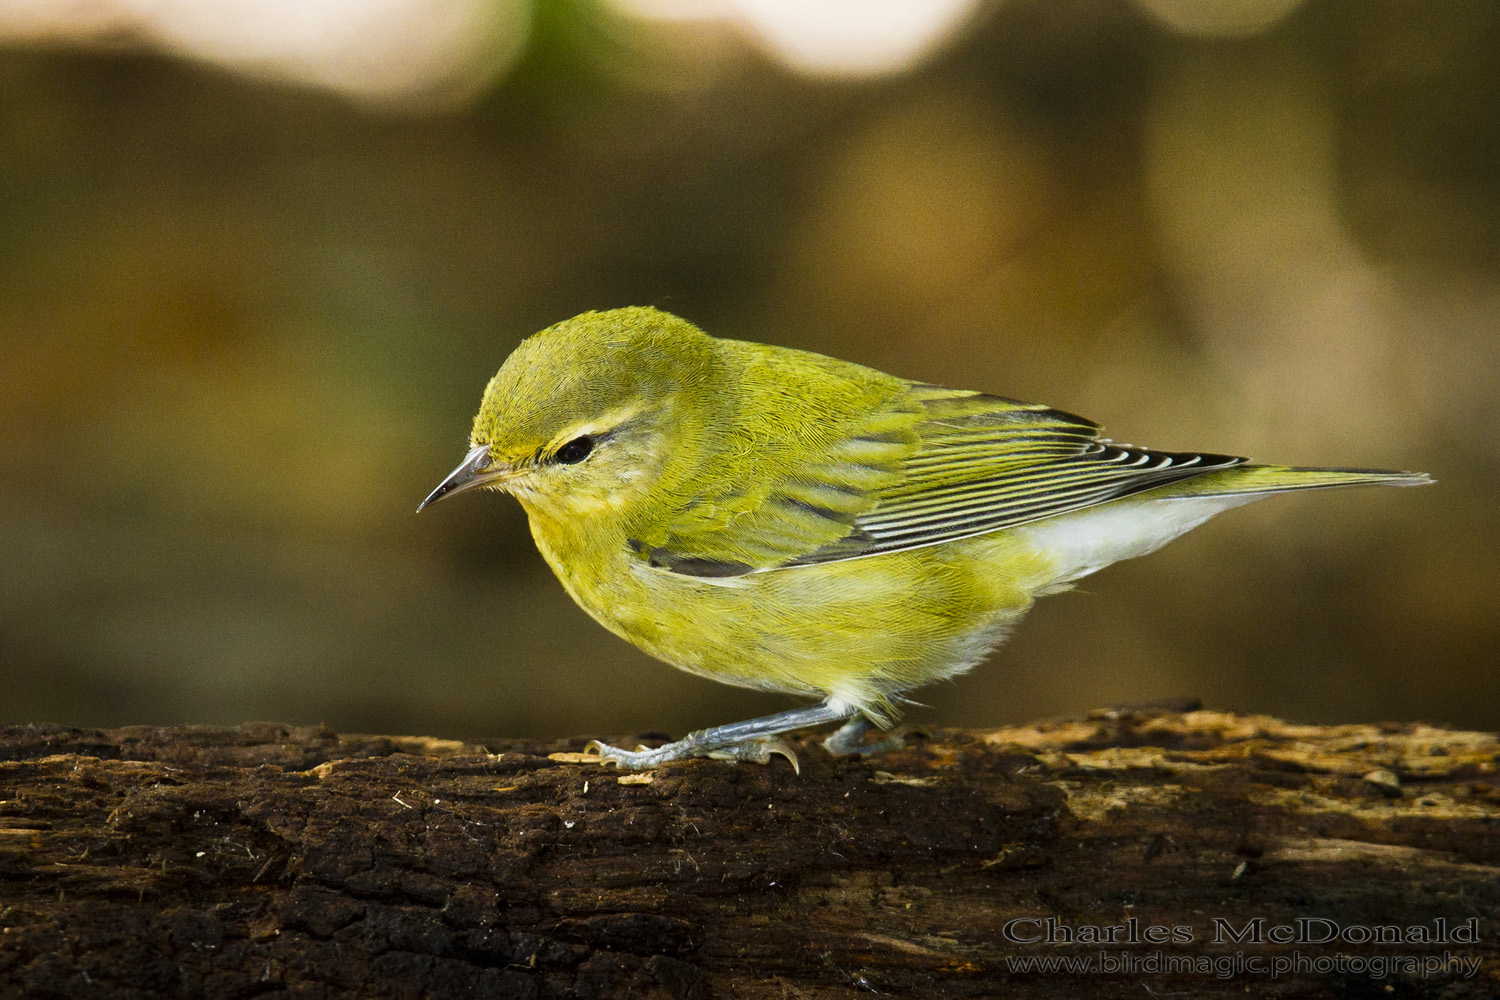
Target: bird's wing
[[939, 466], [771, 502], [988, 463]]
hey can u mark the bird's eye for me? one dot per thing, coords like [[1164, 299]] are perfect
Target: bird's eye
[[576, 450]]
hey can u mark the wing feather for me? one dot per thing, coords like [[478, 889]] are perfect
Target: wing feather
[[934, 466]]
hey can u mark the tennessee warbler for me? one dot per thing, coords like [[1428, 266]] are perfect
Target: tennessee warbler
[[786, 521]]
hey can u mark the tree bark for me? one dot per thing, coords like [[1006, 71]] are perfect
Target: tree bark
[[1184, 848]]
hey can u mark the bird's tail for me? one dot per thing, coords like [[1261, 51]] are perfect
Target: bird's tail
[[1282, 478], [1078, 543]]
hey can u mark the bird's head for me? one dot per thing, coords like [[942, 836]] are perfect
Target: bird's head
[[592, 414]]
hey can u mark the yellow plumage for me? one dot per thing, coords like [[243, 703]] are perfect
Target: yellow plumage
[[786, 521]]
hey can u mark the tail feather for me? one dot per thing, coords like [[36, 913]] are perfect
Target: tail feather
[[1282, 478]]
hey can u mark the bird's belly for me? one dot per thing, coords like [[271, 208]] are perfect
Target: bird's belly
[[861, 630]]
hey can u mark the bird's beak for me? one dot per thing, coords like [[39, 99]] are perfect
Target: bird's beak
[[477, 470]]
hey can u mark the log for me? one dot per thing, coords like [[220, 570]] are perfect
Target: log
[[1126, 853]]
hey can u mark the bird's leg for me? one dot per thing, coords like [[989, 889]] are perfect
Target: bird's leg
[[753, 740], [849, 739]]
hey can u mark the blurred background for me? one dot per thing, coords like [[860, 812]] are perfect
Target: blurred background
[[258, 259]]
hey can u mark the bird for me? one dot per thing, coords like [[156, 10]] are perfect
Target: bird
[[785, 521]]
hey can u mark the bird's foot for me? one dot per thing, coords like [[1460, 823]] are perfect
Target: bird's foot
[[639, 759], [850, 738], [759, 751], [756, 740], [642, 758]]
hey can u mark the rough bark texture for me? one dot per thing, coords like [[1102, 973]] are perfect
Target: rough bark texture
[[273, 861]]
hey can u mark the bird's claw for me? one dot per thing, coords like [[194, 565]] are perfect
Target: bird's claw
[[759, 751], [634, 760]]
